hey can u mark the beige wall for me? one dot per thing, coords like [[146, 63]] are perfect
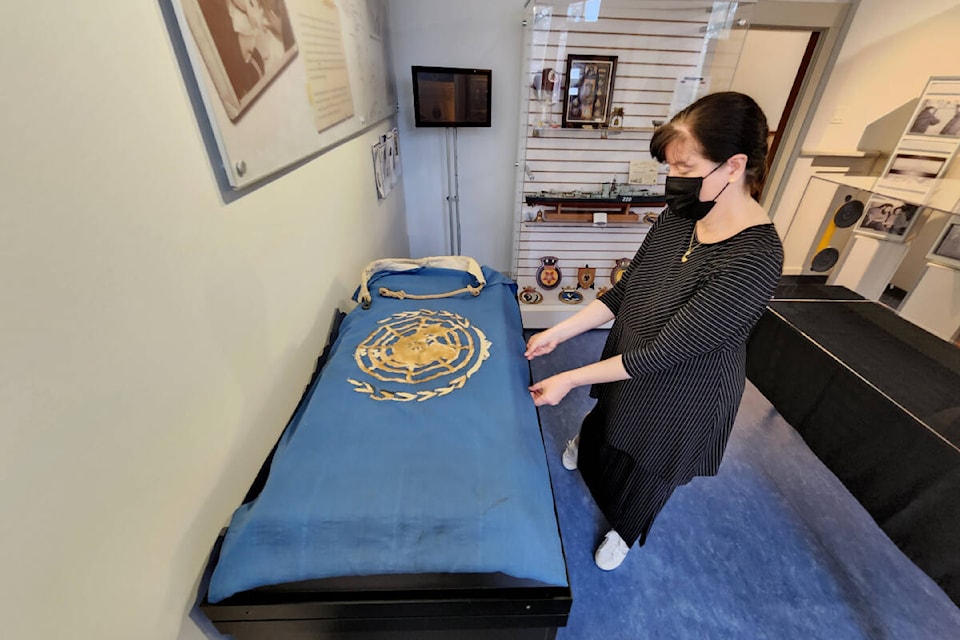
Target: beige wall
[[768, 78], [890, 51], [154, 339]]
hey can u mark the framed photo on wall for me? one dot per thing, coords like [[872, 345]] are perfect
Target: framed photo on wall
[[887, 218], [946, 250], [589, 90]]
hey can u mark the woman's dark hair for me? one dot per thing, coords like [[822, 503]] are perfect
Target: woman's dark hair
[[720, 125]]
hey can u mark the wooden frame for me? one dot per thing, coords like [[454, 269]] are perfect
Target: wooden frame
[[588, 77]]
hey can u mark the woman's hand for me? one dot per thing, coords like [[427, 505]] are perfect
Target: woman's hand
[[552, 390], [540, 344]]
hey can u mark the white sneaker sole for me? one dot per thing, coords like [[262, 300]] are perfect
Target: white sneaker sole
[[569, 457], [611, 553], [570, 454]]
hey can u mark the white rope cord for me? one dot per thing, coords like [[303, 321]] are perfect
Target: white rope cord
[[459, 263], [403, 295]]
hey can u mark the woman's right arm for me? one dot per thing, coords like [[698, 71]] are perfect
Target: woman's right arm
[[590, 317]]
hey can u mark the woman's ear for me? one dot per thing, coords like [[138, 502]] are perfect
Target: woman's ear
[[737, 165]]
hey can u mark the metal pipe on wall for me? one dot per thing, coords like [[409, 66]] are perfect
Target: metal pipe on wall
[[453, 189]]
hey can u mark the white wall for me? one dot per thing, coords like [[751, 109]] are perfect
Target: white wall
[[765, 78], [484, 35], [154, 339], [890, 51]]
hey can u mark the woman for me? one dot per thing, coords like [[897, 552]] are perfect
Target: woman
[[672, 372]]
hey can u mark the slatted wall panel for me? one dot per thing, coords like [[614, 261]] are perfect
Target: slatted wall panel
[[575, 246], [656, 43]]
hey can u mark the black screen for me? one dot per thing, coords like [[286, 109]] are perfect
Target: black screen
[[450, 97]]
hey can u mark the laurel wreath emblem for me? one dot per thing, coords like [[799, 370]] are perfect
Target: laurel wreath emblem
[[414, 347]]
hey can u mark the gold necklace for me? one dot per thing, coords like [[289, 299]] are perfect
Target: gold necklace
[[691, 246]]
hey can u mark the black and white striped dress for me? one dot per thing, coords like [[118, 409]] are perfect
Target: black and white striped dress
[[682, 328]]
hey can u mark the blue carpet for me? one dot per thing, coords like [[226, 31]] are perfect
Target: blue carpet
[[772, 547]]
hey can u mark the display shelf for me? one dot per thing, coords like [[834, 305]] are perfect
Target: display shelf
[[575, 245], [617, 207], [560, 132], [574, 224], [546, 314]]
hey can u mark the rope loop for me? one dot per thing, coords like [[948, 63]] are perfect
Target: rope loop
[[403, 295]]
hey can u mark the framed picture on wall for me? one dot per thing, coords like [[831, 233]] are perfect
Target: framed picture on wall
[[946, 250], [589, 90], [244, 45], [887, 218]]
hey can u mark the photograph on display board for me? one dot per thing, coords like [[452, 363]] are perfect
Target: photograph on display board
[[912, 175], [946, 250], [887, 218], [937, 117], [912, 166], [244, 45]]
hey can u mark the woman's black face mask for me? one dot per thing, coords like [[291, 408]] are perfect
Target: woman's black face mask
[[683, 196]]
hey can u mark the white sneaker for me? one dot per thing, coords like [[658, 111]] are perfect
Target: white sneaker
[[611, 552], [569, 457]]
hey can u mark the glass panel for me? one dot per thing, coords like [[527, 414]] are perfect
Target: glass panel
[[873, 239], [597, 77], [667, 54]]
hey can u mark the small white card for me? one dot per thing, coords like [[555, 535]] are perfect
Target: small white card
[[643, 172]]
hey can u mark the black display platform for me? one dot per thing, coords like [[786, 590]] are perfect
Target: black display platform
[[394, 607], [878, 400], [812, 288]]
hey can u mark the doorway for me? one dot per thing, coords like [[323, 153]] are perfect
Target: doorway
[[802, 40]]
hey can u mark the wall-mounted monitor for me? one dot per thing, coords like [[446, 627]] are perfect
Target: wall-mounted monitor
[[451, 97]]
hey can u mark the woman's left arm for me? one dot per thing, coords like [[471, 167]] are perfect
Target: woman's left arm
[[724, 308], [555, 388]]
